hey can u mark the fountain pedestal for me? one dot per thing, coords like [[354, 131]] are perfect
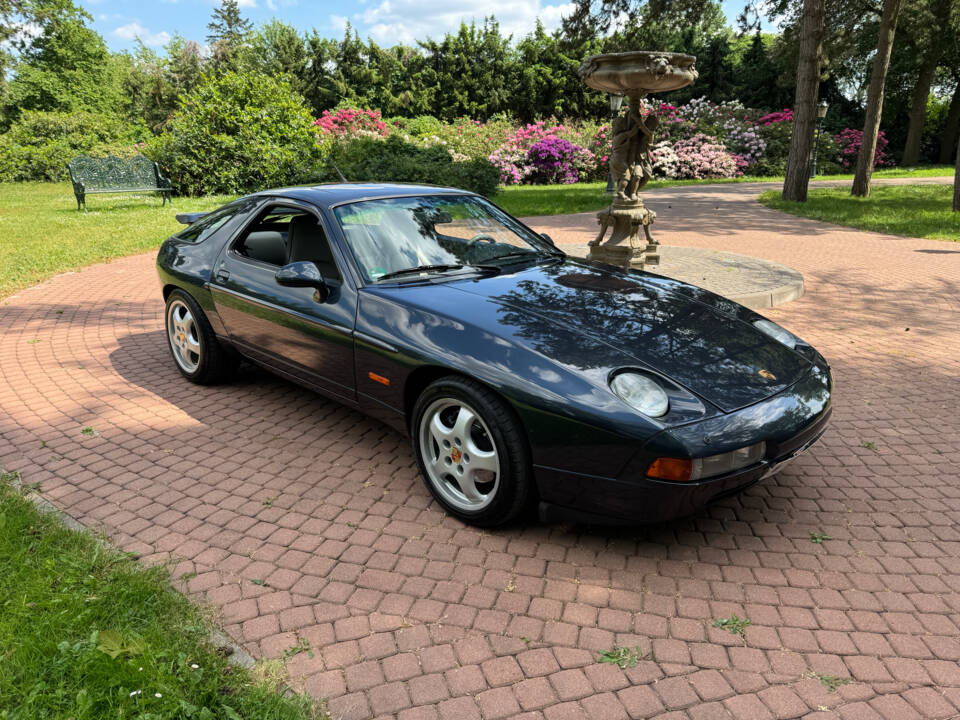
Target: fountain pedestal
[[635, 74], [624, 248]]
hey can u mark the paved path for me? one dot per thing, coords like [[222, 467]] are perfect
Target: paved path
[[412, 615]]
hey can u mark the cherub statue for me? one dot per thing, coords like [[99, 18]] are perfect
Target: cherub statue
[[643, 163], [622, 151], [630, 161]]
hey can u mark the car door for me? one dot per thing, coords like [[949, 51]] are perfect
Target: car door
[[293, 329]]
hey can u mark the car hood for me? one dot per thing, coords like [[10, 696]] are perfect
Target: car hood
[[726, 361]]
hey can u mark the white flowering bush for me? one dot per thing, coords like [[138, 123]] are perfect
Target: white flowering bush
[[666, 162]]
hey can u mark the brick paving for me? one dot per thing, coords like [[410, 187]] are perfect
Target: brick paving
[[303, 521]]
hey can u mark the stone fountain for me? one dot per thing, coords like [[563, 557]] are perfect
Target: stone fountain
[[636, 75]]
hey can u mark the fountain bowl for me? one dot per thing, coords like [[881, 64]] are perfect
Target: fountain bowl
[[638, 72]]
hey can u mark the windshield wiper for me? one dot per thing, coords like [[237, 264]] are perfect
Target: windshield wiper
[[518, 254], [418, 269]]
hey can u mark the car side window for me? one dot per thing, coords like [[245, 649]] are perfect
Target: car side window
[[283, 234], [209, 224]]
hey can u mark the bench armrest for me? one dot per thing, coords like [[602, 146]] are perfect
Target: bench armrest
[[162, 182]]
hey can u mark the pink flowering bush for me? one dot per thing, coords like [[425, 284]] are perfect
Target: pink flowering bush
[[849, 142], [702, 156], [781, 116], [352, 122]]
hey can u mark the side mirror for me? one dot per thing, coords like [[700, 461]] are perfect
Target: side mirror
[[303, 273], [548, 239]]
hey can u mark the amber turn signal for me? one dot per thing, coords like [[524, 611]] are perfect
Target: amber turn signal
[[674, 469], [378, 378]]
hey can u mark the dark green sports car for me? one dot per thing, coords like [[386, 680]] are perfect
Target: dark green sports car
[[524, 377]]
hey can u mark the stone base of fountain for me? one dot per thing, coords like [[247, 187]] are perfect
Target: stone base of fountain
[[624, 248]]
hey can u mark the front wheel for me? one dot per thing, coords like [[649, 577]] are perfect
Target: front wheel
[[198, 354], [472, 452]]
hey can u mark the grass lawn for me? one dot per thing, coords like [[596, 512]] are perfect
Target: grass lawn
[[923, 211], [88, 634], [42, 233]]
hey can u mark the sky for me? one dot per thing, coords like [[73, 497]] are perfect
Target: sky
[[387, 22]]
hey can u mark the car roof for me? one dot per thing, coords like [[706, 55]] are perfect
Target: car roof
[[329, 194]]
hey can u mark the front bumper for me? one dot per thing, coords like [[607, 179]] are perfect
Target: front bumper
[[789, 423]]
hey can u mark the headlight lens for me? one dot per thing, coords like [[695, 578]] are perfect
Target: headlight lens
[[777, 333], [641, 392]]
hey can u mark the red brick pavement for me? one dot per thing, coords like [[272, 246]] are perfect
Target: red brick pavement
[[412, 615]]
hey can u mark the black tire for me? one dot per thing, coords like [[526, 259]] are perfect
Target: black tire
[[514, 490], [215, 362]]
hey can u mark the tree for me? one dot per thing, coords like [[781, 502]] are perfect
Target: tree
[[229, 33], [926, 25], [472, 72], [951, 128], [878, 78], [547, 83], [278, 49], [956, 183], [66, 67], [805, 106]]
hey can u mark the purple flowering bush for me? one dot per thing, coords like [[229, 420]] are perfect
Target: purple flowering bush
[[556, 160], [517, 165]]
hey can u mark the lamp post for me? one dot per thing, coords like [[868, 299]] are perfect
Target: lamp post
[[821, 114], [615, 102]]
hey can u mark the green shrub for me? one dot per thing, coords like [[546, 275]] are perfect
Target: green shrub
[[420, 126], [395, 160], [237, 133], [39, 145]]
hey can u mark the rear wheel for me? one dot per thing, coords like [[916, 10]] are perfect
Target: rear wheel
[[472, 452], [198, 354]]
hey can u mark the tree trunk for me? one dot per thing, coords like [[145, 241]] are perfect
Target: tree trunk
[[878, 78], [956, 183], [948, 138], [805, 104], [918, 108]]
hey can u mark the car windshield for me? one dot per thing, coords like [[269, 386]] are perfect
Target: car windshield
[[433, 234]]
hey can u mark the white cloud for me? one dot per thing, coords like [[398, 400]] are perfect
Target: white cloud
[[338, 23], [134, 30], [393, 21], [246, 3]]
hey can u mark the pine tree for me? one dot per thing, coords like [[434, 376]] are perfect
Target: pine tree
[[229, 31]]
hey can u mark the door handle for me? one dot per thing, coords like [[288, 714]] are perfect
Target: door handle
[[222, 275]]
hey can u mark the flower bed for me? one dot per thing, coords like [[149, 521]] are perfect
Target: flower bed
[[700, 139]]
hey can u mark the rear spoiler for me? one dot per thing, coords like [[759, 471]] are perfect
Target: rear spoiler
[[190, 218]]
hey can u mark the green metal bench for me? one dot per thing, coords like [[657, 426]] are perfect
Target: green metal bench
[[111, 174]]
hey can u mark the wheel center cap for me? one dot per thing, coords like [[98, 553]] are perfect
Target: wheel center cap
[[455, 455]]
